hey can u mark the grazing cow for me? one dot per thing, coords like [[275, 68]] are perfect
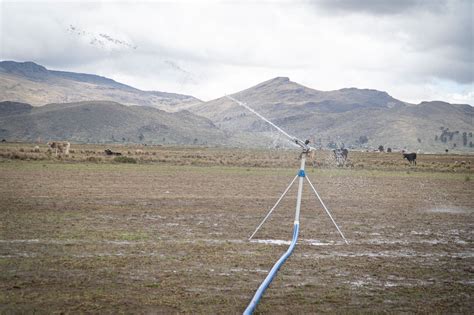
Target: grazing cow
[[61, 147], [341, 156], [110, 152], [411, 157]]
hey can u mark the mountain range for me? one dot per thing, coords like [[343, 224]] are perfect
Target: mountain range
[[347, 117], [350, 117], [31, 83]]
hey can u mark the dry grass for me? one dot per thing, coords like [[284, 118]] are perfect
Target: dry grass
[[204, 156]]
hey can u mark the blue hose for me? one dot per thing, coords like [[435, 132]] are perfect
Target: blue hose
[[261, 289]]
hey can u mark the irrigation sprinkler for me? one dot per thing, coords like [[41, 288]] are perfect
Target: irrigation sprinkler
[[301, 175]]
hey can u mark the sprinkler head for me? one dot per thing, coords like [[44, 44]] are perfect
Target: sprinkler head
[[303, 145]]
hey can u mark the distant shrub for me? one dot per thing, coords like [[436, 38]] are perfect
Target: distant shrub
[[125, 159], [363, 139], [93, 159], [17, 156], [20, 156]]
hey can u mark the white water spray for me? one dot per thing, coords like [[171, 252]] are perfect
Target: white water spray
[[292, 138]]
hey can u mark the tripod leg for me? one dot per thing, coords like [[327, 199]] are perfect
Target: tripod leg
[[326, 209], [274, 207]]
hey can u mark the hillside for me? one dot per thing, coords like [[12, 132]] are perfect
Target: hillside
[[358, 118], [355, 118], [31, 83], [105, 122]]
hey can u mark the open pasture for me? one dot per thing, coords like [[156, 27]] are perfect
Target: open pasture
[[210, 156], [169, 234]]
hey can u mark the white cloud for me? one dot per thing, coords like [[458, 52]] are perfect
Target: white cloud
[[412, 49]]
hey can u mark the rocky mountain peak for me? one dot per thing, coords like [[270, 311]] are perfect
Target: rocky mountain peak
[[275, 82], [27, 68], [280, 80]]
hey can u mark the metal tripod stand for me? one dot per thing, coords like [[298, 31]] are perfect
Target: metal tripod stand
[[301, 174]]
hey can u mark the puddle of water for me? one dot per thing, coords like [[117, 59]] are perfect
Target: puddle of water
[[16, 255], [391, 254], [310, 242], [379, 241], [258, 270], [318, 243], [20, 241], [428, 232], [451, 210], [396, 282], [124, 242], [271, 242]]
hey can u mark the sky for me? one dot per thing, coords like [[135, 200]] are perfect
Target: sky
[[416, 50]]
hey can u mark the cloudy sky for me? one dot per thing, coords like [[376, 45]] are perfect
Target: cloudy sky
[[413, 49]]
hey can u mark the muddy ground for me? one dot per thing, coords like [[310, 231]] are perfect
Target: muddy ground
[[159, 237]]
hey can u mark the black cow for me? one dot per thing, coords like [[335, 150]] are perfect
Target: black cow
[[110, 152], [411, 157], [341, 156]]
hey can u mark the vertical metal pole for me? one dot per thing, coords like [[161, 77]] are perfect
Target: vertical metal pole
[[301, 174]]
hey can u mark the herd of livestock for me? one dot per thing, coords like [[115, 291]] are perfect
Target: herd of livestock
[[340, 155]]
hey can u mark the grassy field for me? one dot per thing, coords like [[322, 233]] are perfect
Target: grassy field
[[168, 234]]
